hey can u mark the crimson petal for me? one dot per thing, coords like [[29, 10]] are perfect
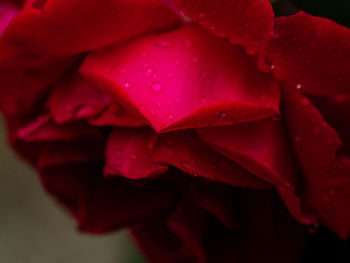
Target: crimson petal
[[184, 79], [184, 150], [310, 53], [326, 172], [128, 153], [242, 21]]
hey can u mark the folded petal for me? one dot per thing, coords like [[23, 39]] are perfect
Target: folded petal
[[310, 53], [75, 98], [242, 21], [184, 150], [326, 172], [262, 148], [116, 115], [68, 27], [184, 79], [128, 153]]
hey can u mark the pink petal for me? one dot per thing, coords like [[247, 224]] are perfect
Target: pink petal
[[184, 79]]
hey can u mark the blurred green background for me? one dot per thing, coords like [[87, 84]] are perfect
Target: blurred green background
[[33, 229]]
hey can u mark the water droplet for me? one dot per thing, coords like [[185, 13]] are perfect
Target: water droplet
[[171, 117], [142, 107], [202, 15], [170, 75], [133, 156], [277, 117], [148, 72], [123, 70], [251, 50], [165, 44], [265, 65], [177, 62], [203, 75], [313, 228], [212, 28], [223, 115], [159, 104], [146, 65], [154, 75], [156, 86], [298, 86], [127, 85]]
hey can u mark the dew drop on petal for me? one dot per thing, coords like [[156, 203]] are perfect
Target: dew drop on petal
[[265, 65], [171, 117], [223, 115], [148, 72], [298, 86], [277, 117], [133, 156], [313, 228], [170, 75], [127, 85], [156, 86]]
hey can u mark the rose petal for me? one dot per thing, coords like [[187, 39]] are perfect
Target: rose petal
[[260, 147], [184, 79], [116, 115], [242, 21], [311, 53], [75, 98], [326, 173], [7, 13], [65, 27], [128, 153], [185, 151], [44, 129]]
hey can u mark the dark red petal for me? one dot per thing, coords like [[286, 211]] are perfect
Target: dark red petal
[[242, 21], [262, 148], [311, 53], [326, 172], [336, 110], [68, 27], [184, 150], [75, 98], [116, 115], [113, 203], [184, 79], [128, 153], [189, 224], [45, 129], [160, 244]]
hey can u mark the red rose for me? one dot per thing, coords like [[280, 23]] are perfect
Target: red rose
[[216, 140]]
